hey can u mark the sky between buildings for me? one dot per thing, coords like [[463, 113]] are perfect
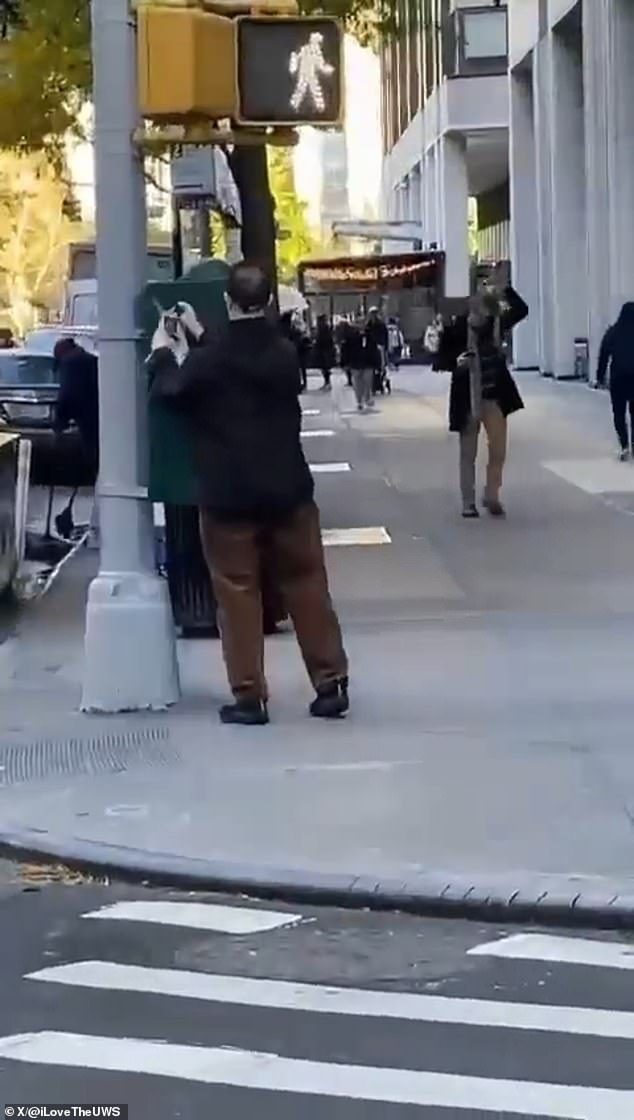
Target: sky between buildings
[[362, 140]]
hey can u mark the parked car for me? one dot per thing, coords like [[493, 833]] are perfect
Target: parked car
[[29, 388], [43, 339]]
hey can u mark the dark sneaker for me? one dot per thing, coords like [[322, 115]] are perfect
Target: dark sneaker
[[245, 713], [495, 508], [470, 513], [332, 701]]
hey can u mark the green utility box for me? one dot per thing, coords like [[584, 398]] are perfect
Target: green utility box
[[171, 468]]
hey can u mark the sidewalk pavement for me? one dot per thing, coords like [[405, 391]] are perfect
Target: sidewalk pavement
[[487, 764]]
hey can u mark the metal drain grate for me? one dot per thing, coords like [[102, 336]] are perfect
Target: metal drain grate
[[99, 754]]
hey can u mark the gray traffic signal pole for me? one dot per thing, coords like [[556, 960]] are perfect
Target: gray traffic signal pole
[[130, 648]]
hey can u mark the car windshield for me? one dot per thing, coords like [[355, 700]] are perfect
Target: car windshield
[[18, 368], [43, 340]]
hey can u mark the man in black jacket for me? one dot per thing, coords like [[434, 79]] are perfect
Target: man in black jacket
[[240, 393], [483, 391], [617, 356]]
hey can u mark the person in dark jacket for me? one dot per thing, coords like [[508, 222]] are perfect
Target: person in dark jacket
[[616, 357], [240, 394], [300, 342], [376, 338], [325, 355], [347, 332], [78, 403], [78, 399], [483, 392], [360, 358]]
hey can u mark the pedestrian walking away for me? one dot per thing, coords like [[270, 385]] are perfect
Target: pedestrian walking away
[[78, 403], [376, 344], [616, 360], [240, 393], [347, 332], [325, 355], [299, 338], [395, 343], [483, 392], [359, 361]]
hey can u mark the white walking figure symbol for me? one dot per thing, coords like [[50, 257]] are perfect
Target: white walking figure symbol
[[309, 66]]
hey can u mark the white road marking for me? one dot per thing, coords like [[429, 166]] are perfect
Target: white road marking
[[313, 433], [560, 950], [248, 1069], [330, 468], [349, 537], [311, 412], [197, 915], [315, 998], [595, 476]]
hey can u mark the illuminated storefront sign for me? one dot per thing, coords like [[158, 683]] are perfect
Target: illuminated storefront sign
[[407, 270]]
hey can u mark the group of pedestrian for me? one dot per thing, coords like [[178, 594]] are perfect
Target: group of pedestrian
[[365, 348], [239, 392]]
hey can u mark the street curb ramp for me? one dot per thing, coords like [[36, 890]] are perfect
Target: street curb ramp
[[566, 900]]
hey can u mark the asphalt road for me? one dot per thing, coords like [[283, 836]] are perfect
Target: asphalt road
[[324, 1015]]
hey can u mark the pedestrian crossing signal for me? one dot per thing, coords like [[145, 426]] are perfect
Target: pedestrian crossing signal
[[290, 71]]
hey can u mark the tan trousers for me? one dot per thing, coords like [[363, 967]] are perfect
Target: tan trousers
[[233, 552], [494, 423]]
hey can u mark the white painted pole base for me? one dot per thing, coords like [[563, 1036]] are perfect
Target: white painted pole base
[[130, 645]]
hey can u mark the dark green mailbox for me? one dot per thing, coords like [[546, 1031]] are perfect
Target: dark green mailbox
[[172, 482], [171, 469]]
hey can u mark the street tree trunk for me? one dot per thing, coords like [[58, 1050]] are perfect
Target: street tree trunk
[[250, 171]]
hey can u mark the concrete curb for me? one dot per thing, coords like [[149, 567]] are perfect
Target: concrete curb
[[582, 901]]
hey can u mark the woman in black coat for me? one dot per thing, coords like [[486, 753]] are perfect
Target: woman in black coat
[[617, 356], [325, 355], [483, 392]]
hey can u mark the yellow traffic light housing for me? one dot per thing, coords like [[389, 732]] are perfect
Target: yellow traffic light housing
[[186, 63]]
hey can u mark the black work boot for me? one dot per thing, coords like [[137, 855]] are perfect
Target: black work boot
[[332, 700], [245, 713]]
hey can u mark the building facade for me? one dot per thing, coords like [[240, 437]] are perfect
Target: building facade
[[445, 117], [572, 172]]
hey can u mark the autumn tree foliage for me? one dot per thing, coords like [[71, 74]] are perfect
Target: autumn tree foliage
[[45, 76]]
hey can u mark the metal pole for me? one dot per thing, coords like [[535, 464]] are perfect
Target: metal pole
[[130, 648]]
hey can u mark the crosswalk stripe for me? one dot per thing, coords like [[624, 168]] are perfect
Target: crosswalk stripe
[[330, 468], [562, 950], [369, 535], [247, 1069], [288, 996], [197, 915], [313, 433]]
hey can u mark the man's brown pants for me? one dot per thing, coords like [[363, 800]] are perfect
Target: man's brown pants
[[294, 548]]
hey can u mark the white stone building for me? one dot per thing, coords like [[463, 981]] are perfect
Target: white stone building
[[572, 172], [445, 114]]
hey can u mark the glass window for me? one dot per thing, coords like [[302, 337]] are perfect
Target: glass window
[[84, 310], [26, 369], [484, 34]]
